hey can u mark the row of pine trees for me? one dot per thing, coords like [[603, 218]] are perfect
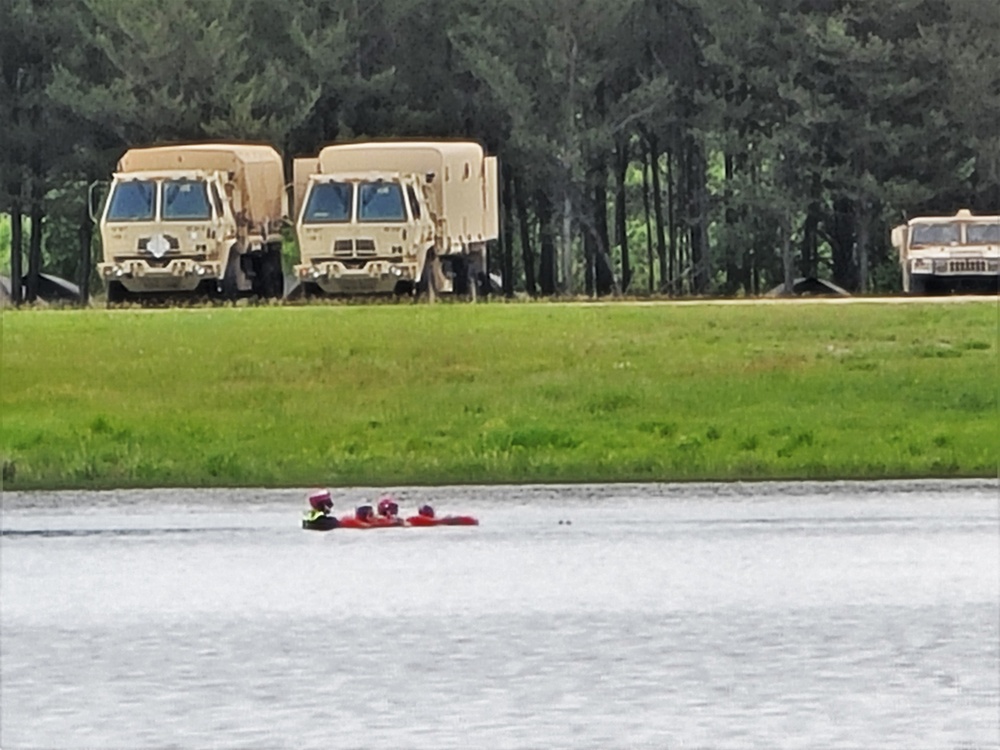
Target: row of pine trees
[[681, 147]]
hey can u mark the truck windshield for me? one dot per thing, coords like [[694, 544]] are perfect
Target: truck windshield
[[934, 234], [381, 201], [185, 200], [131, 201], [329, 202], [982, 234]]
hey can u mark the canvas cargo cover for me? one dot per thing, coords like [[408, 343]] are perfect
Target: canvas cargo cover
[[257, 171], [464, 185]]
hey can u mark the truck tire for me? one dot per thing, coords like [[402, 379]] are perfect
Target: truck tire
[[460, 275], [919, 286], [230, 286], [116, 293], [270, 281], [428, 284], [404, 288]]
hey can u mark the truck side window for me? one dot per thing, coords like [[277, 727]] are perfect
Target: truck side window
[[132, 201], [380, 201], [217, 200], [185, 200], [414, 203], [329, 202]]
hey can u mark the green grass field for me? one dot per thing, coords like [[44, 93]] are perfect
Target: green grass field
[[492, 393]]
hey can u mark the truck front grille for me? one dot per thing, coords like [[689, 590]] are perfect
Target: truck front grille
[[343, 249], [967, 265]]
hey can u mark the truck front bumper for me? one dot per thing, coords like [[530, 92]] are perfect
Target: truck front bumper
[[181, 274], [375, 277]]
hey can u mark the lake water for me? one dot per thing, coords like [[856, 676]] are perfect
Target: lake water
[[799, 615]]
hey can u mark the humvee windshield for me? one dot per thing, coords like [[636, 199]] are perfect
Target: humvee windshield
[[979, 234], [185, 200], [329, 202], [381, 201], [132, 201], [933, 234]]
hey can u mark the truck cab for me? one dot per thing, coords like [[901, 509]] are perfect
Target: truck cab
[[162, 231], [395, 217], [949, 253], [194, 218], [365, 233]]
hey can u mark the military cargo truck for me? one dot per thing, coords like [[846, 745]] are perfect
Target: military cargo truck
[[396, 217], [200, 218], [946, 254]]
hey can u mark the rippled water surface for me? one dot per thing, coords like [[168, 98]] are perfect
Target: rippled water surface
[[699, 616]]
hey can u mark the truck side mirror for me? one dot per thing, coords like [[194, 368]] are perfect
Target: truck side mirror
[[91, 191], [898, 236]]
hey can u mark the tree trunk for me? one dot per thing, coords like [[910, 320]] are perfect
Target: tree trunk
[[697, 213], [566, 239], [649, 228], [841, 235], [16, 252], [604, 280], [787, 262], [621, 226], [668, 273], [527, 253], [862, 220], [35, 248], [661, 241], [507, 233], [86, 235], [589, 241], [547, 270], [731, 251]]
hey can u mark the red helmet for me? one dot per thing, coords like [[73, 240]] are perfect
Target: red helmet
[[387, 506], [363, 513], [321, 500], [426, 511]]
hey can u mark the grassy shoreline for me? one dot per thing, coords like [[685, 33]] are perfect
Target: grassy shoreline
[[457, 394]]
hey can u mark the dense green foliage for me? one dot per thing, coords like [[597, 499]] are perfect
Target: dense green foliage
[[677, 146], [403, 394]]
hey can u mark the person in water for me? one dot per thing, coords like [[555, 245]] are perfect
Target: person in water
[[426, 511], [388, 508], [364, 513], [320, 505]]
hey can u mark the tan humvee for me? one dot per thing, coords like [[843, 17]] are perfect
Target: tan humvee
[[949, 253], [201, 217], [395, 217]]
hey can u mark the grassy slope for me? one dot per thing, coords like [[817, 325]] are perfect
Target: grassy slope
[[495, 393]]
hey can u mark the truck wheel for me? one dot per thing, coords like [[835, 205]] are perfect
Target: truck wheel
[[230, 286], [271, 279], [460, 275], [116, 293], [919, 286], [428, 284], [404, 288], [483, 284]]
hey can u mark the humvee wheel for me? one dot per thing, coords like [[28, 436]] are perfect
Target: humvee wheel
[[116, 293]]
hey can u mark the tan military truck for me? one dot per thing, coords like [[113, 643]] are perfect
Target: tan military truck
[[200, 218], [395, 217], [946, 254]]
